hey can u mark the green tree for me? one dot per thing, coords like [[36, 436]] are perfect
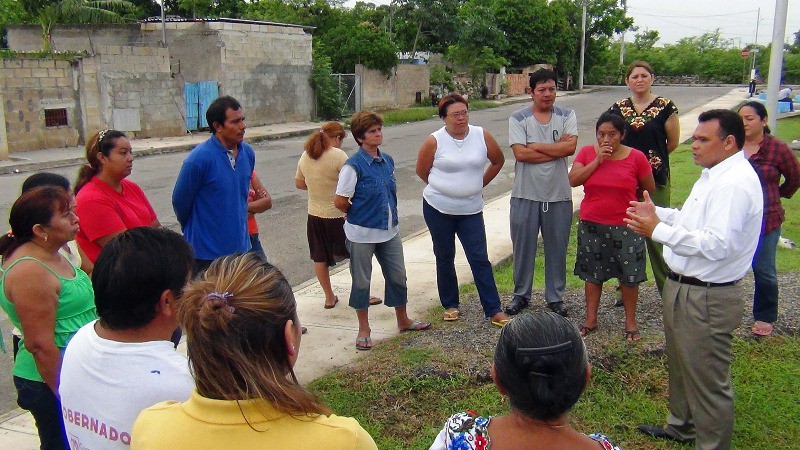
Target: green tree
[[12, 12], [364, 44], [534, 31], [425, 24], [330, 103], [49, 13]]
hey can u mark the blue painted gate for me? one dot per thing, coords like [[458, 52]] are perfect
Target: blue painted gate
[[198, 97]]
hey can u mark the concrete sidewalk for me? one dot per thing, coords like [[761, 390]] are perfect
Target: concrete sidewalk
[[330, 341]]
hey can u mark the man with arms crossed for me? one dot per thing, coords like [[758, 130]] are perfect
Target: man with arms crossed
[[124, 362], [542, 138], [210, 195], [708, 246]]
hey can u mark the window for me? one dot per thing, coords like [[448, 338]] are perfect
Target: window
[[55, 117]]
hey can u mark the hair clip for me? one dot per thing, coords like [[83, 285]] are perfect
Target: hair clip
[[525, 356], [220, 300], [102, 134]]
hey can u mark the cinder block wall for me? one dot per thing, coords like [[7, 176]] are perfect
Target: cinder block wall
[[29, 87], [135, 92], [74, 37], [267, 68], [400, 89]]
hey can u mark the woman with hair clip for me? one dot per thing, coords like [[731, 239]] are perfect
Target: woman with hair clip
[[46, 297], [243, 338], [772, 159], [541, 366], [108, 203], [318, 172]]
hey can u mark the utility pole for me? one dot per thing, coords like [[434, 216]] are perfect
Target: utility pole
[[776, 61], [583, 46], [622, 40], [163, 24], [755, 50]]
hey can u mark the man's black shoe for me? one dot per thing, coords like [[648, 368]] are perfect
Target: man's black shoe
[[516, 306], [558, 308], [660, 433]]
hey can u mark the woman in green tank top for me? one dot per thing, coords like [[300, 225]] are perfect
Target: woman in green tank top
[[46, 297]]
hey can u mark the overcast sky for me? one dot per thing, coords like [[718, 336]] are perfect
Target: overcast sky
[[675, 19]]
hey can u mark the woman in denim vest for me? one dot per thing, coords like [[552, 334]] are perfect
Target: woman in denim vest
[[367, 193]]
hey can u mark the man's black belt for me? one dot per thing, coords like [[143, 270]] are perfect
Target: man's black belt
[[696, 282]]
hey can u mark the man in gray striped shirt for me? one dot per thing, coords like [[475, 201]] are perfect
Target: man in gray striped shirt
[[542, 136]]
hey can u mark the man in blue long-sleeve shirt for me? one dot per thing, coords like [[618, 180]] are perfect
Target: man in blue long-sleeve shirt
[[210, 195]]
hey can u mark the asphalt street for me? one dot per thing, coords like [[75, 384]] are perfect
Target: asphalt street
[[283, 227]]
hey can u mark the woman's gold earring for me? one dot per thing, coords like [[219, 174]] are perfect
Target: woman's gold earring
[[45, 238]]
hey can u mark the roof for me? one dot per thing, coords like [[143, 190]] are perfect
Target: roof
[[227, 20]]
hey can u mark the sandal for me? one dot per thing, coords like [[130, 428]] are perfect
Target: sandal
[[450, 315], [364, 343], [335, 301], [500, 322], [416, 325], [585, 331], [762, 329], [374, 300], [632, 335]]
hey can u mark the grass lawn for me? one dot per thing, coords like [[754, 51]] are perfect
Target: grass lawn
[[403, 391], [418, 113], [788, 129]]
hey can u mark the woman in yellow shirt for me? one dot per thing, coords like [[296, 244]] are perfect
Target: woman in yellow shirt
[[243, 338]]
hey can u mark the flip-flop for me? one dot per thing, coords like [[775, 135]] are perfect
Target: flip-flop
[[417, 326], [762, 329], [334, 303], [632, 335], [374, 300], [450, 316], [364, 343], [585, 331], [501, 322]]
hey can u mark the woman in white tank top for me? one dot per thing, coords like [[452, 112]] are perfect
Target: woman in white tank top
[[453, 163]]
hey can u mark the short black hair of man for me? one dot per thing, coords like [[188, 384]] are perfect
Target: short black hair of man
[[543, 76], [132, 271], [45, 179], [730, 124], [217, 110]]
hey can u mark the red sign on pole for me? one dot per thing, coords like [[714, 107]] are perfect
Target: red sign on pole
[[745, 53]]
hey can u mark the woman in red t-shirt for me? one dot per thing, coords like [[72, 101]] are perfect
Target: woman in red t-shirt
[[108, 203], [612, 176]]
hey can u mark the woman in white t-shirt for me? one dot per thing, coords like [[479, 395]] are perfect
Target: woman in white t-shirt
[[456, 162]]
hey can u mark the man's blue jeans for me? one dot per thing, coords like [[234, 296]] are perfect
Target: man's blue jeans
[[472, 234], [765, 298]]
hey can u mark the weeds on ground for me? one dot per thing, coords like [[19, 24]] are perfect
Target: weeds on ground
[[403, 391], [419, 113]]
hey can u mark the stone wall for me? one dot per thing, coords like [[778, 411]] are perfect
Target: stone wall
[[130, 81], [75, 38], [400, 89], [135, 92], [268, 71], [30, 86]]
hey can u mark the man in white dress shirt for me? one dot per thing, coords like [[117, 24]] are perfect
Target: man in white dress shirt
[[708, 246]]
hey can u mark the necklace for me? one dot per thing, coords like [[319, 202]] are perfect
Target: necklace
[[459, 142], [526, 422]]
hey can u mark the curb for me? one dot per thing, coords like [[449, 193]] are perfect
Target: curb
[[28, 166]]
